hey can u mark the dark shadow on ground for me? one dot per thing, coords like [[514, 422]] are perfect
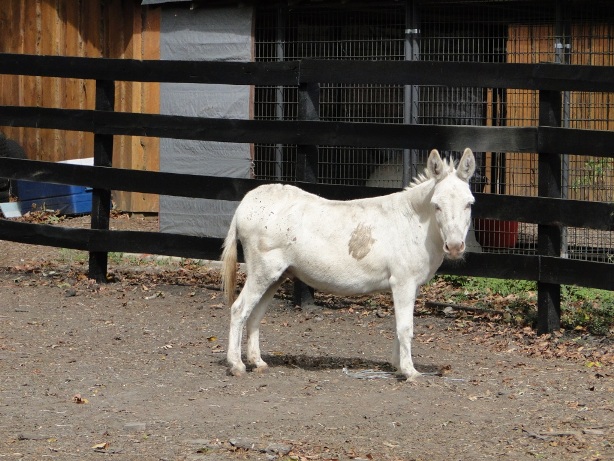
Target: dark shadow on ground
[[307, 362]]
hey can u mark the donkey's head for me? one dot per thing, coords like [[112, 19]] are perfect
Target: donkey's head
[[452, 200]]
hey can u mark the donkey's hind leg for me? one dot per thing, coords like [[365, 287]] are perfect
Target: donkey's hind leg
[[240, 311], [256, 287], [253, 328]]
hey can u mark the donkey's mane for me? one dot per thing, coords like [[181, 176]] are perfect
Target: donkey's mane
[[448, 167]]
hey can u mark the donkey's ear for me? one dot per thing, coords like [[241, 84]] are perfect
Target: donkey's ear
[[435, 165], [466, 166]]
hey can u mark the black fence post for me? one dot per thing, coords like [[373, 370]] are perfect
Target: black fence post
[[306, 166], [549, 238], [101, 198]]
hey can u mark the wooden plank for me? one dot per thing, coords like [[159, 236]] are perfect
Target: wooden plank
[[111, 241], [49, 148], [555, 77], [211, 187], [72, 97], [516, 139], [509, 266], [150, 160], [31, 85], [121, 41], [306, 169], [597, 143], [231, 73], [503, 266], [276, 131], [538, 210], [547, 270], [11, 41], [577, 272], [89, 31], [101, 197], [549, 237], [549, 211], [140, 152]]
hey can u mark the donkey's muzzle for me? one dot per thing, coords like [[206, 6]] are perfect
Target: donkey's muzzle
[[454, 250]]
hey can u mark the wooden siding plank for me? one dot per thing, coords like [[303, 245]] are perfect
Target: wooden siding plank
[[11, 41], [31, 85], [50, 86], [151, 99], [148, 157], [72, 97]]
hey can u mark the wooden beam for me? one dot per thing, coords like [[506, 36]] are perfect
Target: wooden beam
[[101, 197]]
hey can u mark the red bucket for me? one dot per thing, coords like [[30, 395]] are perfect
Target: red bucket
[[492, 233]]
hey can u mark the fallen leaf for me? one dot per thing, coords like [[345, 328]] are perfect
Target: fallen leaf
[[101, 446]]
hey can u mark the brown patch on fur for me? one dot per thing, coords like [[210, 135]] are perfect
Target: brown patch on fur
[[360, 242]]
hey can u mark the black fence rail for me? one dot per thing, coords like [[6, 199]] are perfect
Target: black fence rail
[[548, 139]]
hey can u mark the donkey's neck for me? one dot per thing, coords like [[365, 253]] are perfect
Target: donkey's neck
[[419, 197]]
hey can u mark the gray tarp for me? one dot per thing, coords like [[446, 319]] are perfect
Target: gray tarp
[[203, 33]]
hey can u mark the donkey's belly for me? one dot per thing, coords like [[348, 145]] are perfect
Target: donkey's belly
[[341, 282]]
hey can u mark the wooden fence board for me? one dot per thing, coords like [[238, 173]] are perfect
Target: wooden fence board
[[553, 270], [135, 70], [555, 77], [518, 139], [274, 131], [94, 240], [537, 210]]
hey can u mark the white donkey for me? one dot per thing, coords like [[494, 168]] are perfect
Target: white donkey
[[393, 242]]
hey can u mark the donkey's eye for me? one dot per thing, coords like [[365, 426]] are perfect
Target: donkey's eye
[[468, 207], [437, 208]]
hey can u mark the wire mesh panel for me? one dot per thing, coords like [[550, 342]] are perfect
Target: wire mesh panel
[[554, 31], [366, 33], [591, 42]]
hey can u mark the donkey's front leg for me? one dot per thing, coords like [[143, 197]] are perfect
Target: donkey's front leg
[[404, 297]]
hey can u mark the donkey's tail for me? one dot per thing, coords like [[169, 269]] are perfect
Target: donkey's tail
[[229, 263]]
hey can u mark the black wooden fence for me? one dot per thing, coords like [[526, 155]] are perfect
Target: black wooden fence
[[549, 140]]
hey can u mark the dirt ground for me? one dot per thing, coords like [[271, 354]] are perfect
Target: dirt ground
[[134, 370]]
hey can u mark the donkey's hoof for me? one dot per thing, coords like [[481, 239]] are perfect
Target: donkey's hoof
[[261, 368], [411, 376], [237, 370]]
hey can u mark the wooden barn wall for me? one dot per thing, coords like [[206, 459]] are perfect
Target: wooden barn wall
[[590, 45], [89, 28]]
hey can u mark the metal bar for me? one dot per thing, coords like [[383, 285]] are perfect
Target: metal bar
[[411, 92], [280, 27], [562, 56]]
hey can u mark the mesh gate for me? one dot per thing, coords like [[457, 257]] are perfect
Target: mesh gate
[[575, 32]]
